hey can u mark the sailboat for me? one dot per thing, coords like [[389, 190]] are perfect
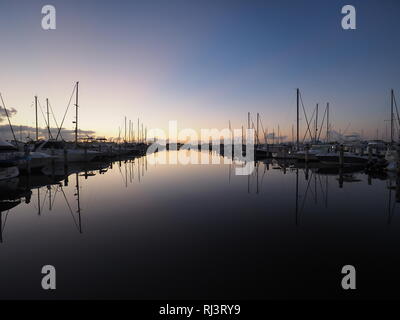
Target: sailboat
[[11, 156], [60, 151], [392, 154], [8, 161]]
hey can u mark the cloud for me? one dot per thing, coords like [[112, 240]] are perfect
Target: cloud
[[27, 131], [271, 136], [11, 112], [344, 137]]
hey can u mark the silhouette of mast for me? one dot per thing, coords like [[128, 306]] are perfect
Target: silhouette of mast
[[76, 112]]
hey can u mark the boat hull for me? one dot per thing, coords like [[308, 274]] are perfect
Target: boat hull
[[72, 155], [347, 160]]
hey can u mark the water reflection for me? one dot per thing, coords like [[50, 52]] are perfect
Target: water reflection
[[312, 182], [194, 221], [50, 184]]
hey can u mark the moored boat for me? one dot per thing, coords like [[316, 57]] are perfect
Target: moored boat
[[61, 153], [349, 158]]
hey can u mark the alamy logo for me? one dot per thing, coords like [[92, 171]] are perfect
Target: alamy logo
[[349, 280], [49, 20], [237, 146], [349, 20], [49, 280]]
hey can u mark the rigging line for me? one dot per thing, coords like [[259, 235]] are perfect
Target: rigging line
[[308, 127], [265, 170], [55, 195], [44, 199], [65, 114], [258, 142], [348, 127], [47, 125], [8, 118], [54, 118], [262, 127], [322, 188], [322, 124], [313, 195], [265, 135], [397, 110], [305, 114], [305, 196], [5, 221], [122, 176], [70, 209]]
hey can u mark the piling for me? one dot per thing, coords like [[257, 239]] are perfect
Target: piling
[[65, 155], [341, 179], [398, 160], [306, 153], [28, 160], [65, 161], [86, 158], [341, 155]]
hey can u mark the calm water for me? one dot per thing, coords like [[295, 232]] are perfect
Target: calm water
[[199, 231]]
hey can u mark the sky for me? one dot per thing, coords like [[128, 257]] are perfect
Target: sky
[[202, 63]]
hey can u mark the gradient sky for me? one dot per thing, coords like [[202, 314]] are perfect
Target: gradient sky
[[201, 62]]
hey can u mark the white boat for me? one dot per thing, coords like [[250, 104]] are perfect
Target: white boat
[[378, 148], [60, 152], [10, 155], [313, 152], [36, 160]]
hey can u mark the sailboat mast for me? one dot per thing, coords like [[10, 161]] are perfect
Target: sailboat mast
[[230, 132], [258, 121], [36, 114], [316, 125], [292, 134], [298, 102], [279, 141], [48, 117], [79, 203], [8, 118], [76, 113], [130, 127], [125, 131], [391, 116], [327, 122]]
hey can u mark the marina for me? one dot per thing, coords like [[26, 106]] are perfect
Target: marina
[[111, 200], [199, 158], [373, 155]]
